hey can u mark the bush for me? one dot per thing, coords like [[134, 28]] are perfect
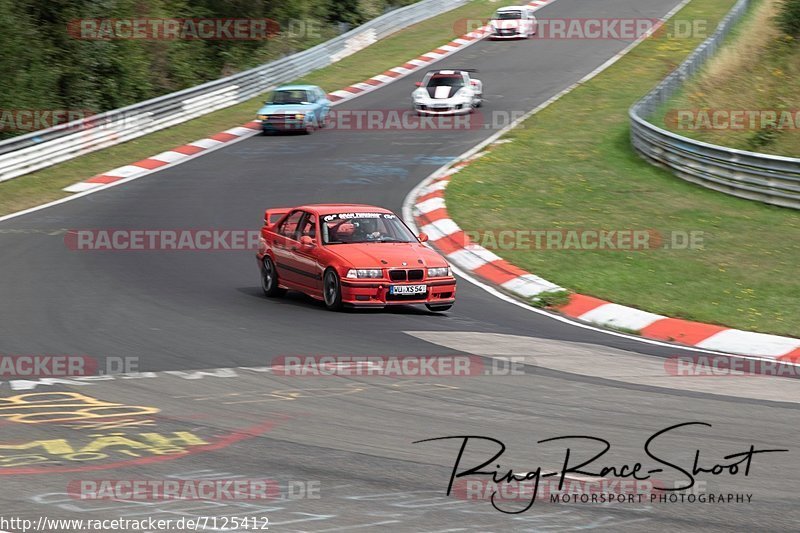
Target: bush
[[789, 17]]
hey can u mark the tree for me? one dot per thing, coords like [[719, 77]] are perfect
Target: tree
[[346, 11]]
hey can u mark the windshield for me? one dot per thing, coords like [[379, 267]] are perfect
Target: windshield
[[289, 97], [342, 228], [447, 80], [508, 15]]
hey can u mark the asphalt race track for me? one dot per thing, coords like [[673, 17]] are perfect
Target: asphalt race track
[[181, 312]]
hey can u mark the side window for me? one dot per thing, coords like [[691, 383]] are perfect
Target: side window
[[321, 94], [309, 227], [289, 226], [311, 96]]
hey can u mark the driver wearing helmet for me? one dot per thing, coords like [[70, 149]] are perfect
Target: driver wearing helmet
[[367, 230], [344, 232]]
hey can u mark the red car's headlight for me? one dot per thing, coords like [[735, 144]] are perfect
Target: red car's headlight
[[364, 273], [438, 272]]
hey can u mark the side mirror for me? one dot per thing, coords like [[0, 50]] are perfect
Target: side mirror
[[306, 241], [268, 102], [418, 84], [423, 237]]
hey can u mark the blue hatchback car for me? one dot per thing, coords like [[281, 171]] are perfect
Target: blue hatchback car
[[302, 108]]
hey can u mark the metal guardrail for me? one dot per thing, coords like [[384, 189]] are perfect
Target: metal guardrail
[[766, 178], [39, 149]]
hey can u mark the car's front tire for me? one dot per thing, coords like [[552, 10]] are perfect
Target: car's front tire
[[438, 308], [269, 279], [332, 290]]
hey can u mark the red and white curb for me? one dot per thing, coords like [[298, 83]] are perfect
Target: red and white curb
[[413, 65], [431, 217], [426, 208], [182, 153], [408, 67], [164, 159]]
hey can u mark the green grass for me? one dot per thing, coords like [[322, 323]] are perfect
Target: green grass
[[550, 299], [572, 166], [757, 69], [45, 185]]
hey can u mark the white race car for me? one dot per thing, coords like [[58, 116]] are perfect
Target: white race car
[[447, 92], [513, 22]]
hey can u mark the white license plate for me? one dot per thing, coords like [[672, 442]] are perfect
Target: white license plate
[[408, 289]]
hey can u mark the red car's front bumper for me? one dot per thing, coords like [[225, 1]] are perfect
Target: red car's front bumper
[[368, 293]]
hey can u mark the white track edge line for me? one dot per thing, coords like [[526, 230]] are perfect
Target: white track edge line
[[409, 203]]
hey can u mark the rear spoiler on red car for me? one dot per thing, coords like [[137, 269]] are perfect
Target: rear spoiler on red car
[[473, 70], [271, 216]]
